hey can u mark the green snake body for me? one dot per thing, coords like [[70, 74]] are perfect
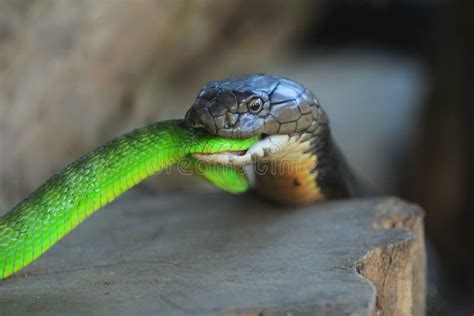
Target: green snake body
[[96, 179], [275, 123]]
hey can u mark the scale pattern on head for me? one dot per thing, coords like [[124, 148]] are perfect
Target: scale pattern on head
[[243, 106]]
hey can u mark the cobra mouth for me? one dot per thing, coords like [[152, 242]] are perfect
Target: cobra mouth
[[271, 147], [234, 153]]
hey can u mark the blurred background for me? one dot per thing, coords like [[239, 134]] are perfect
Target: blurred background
[[396, 78]]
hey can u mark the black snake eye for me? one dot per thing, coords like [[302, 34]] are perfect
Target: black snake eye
[[255, 105]]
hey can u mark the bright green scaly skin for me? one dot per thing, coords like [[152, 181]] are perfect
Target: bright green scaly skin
[[96, 179], [230, 179]]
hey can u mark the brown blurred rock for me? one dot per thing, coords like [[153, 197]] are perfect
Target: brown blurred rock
[[76, 73]]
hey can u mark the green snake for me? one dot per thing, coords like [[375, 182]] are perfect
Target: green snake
[[269, 122]]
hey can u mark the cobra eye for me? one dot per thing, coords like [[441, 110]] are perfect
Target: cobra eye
[[255, 105]]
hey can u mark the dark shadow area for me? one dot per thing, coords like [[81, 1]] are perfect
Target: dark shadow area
[[436, 169]]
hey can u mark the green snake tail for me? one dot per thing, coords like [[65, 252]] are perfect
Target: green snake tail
[[94, 180]]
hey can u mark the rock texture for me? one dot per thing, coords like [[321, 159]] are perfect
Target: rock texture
[[214, 253]]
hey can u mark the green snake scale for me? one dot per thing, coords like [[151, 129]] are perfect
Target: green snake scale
[[233, 123]]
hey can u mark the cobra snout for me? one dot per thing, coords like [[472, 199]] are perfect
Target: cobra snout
[[200, 118]]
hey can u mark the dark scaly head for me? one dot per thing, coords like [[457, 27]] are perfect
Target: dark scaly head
[[280, 110], [243, 106]]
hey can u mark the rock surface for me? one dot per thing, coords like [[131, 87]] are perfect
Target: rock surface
[[219, 254]]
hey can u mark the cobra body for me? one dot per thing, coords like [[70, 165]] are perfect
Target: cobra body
[[269, 121], [96, 179], [297, 160]]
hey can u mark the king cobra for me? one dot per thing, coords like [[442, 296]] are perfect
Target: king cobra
[[296, 159], [270, 122]]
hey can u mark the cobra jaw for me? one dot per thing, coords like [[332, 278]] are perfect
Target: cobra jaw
[[273, 147]]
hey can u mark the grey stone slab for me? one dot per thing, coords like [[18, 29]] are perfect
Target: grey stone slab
[[211, 253]]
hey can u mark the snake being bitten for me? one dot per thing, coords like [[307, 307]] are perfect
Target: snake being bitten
[[269, 122]]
